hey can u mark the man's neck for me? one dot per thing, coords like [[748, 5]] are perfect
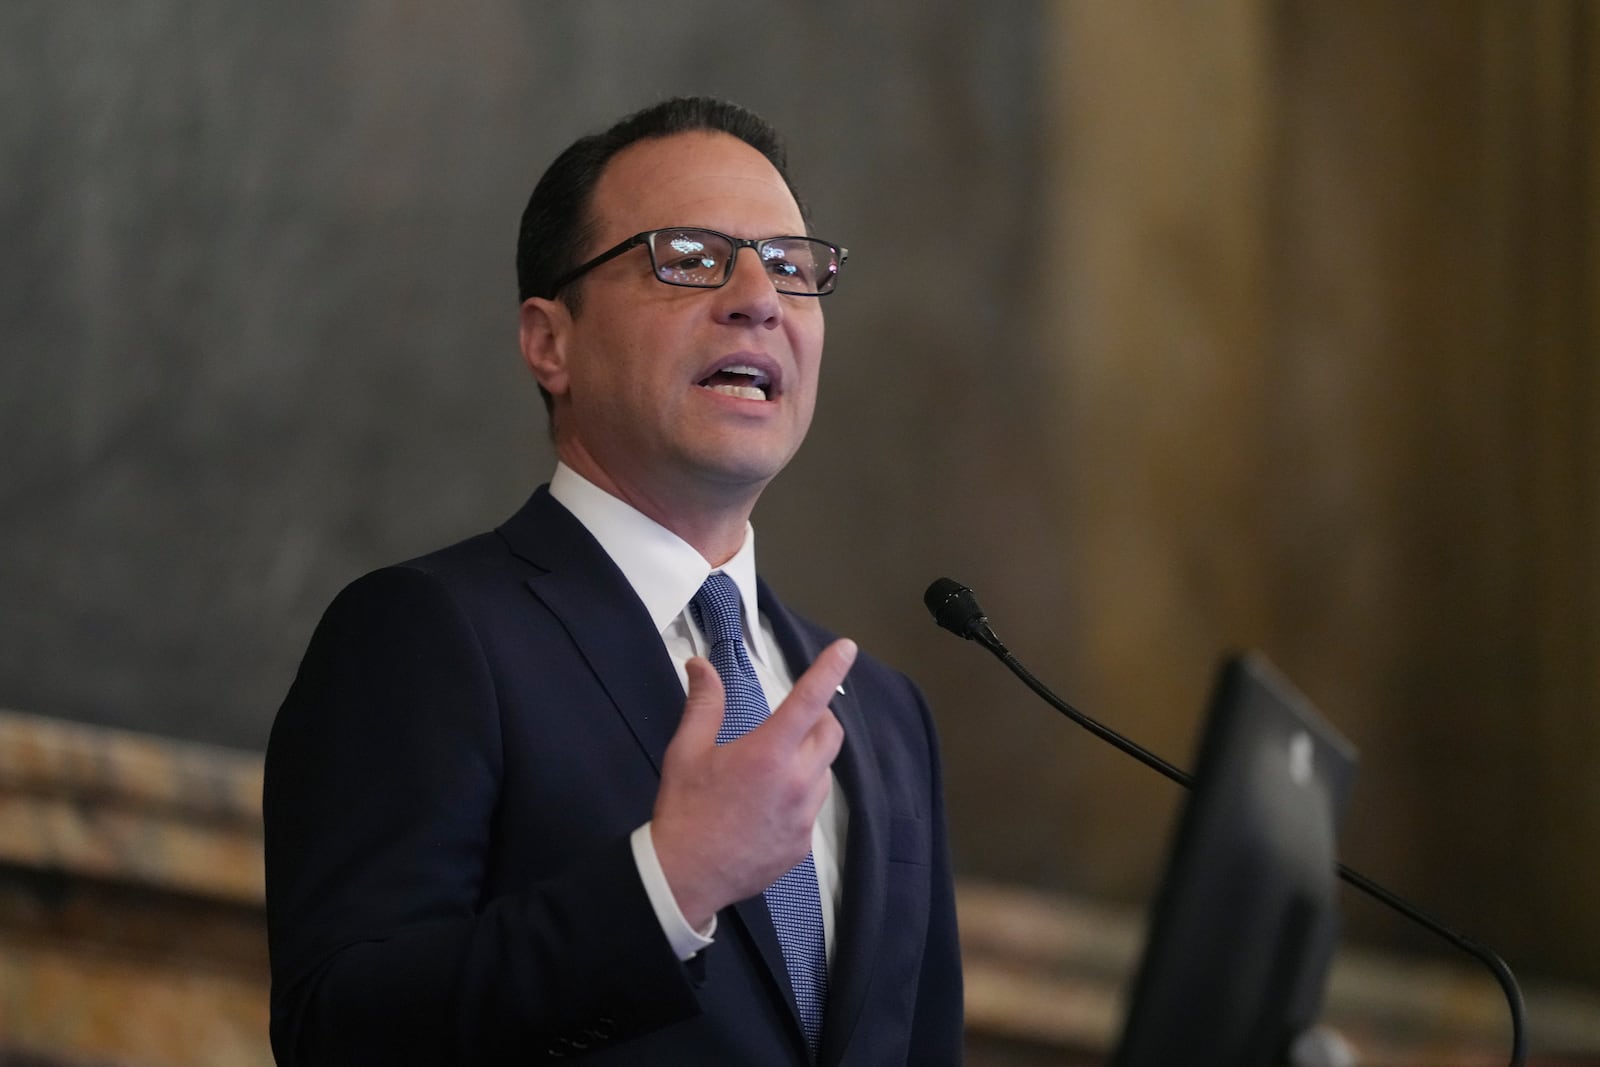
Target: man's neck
[[712, 522]]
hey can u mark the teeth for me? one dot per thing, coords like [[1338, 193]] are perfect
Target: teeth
[[725, 380], [744, 392]]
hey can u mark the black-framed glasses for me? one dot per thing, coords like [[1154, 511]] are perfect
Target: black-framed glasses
[[704, 259]]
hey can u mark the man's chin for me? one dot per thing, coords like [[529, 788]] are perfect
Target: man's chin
[[742, 461]]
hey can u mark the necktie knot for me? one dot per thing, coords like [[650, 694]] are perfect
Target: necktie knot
[[716, 609]]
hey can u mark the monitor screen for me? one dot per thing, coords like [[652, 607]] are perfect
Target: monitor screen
[[1246, 920]]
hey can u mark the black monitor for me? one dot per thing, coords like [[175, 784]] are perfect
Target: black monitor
[[1246, 920]]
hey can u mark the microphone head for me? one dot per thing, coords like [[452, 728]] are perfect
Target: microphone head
[[955, 608]]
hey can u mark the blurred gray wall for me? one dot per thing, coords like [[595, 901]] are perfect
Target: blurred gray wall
[[258, 305]]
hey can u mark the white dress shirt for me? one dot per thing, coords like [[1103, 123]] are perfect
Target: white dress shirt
[[666, 572]]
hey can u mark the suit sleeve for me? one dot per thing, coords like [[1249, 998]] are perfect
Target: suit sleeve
[[382, 782]]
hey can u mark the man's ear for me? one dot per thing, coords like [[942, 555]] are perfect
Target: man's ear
[[546, 325]]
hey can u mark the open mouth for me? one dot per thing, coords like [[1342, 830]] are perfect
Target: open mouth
[[740, 380]]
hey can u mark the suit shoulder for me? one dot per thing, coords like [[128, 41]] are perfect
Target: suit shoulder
[[463, 560], [455, 569], [441, 584]]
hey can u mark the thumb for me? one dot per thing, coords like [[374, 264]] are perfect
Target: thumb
[[703, 708]]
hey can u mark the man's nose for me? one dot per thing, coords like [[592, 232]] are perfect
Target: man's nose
[[749, 295]]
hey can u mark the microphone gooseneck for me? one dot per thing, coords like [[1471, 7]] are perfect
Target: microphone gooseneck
[[955, 608]]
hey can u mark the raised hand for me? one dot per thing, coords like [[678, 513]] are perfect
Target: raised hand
[[729, 819]]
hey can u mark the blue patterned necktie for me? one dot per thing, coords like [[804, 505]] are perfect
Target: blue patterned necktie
[[793, 900]]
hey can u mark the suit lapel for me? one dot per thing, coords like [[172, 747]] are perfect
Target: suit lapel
[[865, 867], [583, 588]]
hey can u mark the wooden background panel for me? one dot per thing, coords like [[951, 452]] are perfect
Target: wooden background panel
[[1327, 379]]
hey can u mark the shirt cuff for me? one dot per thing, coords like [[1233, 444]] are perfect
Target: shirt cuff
[[685, 940]]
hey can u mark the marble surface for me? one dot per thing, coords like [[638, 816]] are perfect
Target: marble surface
[[132, 932], [131, 923], [128, 807]]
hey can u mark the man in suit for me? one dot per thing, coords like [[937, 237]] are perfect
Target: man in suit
[[513, 811]]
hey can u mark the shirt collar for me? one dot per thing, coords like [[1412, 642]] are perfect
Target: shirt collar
[[664, 570]]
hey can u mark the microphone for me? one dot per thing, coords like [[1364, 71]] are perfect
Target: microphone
[[955, 608]]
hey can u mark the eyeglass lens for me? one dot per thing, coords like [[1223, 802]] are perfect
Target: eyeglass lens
[[704, 258]]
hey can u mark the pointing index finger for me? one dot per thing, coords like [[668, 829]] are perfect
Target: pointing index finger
[[813, 689]]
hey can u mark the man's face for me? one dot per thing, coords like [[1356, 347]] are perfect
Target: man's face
[[643, 394]]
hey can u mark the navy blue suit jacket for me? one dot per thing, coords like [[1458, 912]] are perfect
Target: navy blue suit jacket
[[450, 786]]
